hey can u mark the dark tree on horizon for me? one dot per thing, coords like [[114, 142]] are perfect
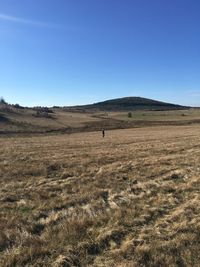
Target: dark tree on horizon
[[2, 101]]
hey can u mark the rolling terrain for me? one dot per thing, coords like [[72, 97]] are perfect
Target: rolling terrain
[[131, 199], [112, 114]]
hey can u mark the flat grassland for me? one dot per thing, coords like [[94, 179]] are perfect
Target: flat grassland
[[130, 199]]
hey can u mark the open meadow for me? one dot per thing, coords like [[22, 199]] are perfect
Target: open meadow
[[130, 199], [42, 120]]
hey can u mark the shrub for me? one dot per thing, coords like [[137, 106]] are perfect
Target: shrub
[[130, 115], [18, 106]]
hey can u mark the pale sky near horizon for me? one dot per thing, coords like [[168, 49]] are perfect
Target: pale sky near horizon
[[69, 52]]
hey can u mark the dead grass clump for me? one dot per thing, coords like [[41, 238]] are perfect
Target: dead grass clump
[[67, 175], [4, 242], [36, 228], [10, 199], [70, 260], [53, 169], [27, 248], [177, 175]]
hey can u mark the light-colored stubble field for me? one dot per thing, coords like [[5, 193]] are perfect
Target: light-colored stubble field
[[130, 199]]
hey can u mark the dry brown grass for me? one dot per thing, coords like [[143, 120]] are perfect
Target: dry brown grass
[[130, 199], [33, 121], [38, 121]]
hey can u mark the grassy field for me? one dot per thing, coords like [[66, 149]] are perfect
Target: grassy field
[[32, 121], [43, 120], [130, 199], [162, 116]]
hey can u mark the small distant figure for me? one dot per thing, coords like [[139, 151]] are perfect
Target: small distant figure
[[103, 133]]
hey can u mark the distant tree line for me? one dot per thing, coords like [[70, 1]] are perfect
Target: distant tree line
[[2, 101]]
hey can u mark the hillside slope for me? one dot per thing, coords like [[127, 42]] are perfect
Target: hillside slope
[[131, 103], [110, 114]]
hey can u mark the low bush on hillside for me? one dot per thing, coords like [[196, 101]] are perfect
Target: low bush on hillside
[[43, 114], [43, 109], [130, 115]]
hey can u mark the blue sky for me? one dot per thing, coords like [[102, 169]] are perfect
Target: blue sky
[[68, 52]]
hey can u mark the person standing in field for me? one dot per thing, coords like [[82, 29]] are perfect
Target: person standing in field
[[103, 133]]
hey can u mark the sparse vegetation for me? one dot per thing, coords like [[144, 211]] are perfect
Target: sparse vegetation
[[43, 114], [43, 119], [130, 199], [43, 109], [17, 106]]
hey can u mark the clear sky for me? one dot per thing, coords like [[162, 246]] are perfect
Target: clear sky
[[66, 52]]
